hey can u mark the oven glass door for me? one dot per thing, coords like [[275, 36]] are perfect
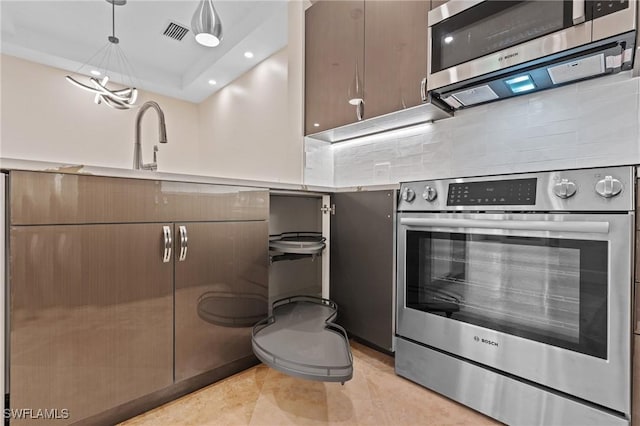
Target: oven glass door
[[549, 290], [492, 26]]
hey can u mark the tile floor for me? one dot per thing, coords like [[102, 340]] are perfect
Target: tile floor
[[263, 396]]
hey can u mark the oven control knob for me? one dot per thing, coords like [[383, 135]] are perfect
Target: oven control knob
[[408, 195], [429, 193], [564, 189], [608, 187]]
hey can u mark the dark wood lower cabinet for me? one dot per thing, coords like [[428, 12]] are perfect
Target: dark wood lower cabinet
[[91, 317], [362, 264], [103, 320], [221, 292], [635, 391]]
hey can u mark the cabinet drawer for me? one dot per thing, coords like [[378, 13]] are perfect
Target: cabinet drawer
[[38, 198], [54, 198], [202, 202]]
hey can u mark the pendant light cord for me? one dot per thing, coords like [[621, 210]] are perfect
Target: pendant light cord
[[113, 18]]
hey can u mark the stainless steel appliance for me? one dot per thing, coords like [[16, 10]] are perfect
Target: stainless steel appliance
[[514, 293], [481, 51]]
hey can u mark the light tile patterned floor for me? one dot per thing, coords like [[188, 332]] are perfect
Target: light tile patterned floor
[[262, 396]]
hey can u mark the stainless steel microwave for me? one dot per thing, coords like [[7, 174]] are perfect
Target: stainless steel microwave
[[484, 50]]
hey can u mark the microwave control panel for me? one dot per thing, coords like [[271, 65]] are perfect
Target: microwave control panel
[[514, 192], [602, 8]]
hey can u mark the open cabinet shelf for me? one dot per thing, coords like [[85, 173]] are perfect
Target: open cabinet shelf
[[301, 340], [295, 245]]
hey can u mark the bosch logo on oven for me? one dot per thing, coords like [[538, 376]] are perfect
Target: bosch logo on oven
[[507, 56], [485, 341]]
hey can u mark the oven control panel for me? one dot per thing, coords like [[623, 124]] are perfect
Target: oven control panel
[[596, 189], [602, 8], [513, 192]]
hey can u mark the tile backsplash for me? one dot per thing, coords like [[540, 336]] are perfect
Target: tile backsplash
[[589, 124]]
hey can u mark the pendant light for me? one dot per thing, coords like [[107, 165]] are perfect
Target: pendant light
[[110, 57], [206, 24]]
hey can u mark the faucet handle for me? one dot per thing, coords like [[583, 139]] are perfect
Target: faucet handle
[[152, 166]]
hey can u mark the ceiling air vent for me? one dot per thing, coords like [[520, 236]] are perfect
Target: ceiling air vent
[[175, 31]]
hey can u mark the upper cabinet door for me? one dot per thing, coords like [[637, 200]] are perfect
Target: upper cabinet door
[[334, 63], [395, 55]]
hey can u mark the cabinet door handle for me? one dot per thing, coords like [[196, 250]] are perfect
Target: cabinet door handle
[[359, 110], [578, 13], [166, 254], [423, 89], [184, 243]]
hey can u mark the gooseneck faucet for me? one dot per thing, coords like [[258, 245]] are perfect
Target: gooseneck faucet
[[137, 146]]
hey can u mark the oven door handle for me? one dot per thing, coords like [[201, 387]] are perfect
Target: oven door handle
[[526, 225]]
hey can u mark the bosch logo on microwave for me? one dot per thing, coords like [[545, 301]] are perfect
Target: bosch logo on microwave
[[485, 341], [509, 56]]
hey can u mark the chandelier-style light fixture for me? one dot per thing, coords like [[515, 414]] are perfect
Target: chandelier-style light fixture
[[206, 24], [110, 54]]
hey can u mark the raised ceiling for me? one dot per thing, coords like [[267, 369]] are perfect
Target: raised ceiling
[[65, 34]]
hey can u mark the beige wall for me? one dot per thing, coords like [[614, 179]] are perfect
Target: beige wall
[[45, 118], [250, 129], [242, 124]]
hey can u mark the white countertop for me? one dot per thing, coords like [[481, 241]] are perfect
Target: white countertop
[[44, 166]]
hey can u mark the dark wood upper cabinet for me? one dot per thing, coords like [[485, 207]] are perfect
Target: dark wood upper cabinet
[[334, 46], [395, 55], [380, 44]]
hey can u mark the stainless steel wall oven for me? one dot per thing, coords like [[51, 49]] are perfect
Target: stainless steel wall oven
[[514, 293]]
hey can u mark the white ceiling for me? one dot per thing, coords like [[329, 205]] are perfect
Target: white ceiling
[[65, 34]]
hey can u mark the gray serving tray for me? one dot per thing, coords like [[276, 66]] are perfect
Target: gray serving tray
[[301, 340]]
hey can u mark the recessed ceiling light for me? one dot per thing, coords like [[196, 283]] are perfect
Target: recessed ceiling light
[[96, 73], [248, 55], [316, 124], [213, 82]]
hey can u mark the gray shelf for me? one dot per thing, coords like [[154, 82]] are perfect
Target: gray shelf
[[301, 340], [305, 243]]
